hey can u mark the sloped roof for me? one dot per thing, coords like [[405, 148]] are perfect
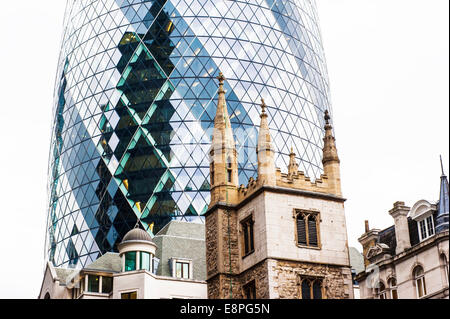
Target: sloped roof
[[444, 201], [185, 241], [110, 262], [62, 274], [183, 229], [387, 237]]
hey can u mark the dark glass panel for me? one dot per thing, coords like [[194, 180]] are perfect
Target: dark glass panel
[[129, 295], [306, 289], [93, 283], [130, 261], [107, 285], [317, 289]]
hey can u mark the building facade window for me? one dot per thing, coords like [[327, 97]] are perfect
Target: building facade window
[[155, 264], [426, 228], [250, 290], [248, 240], [419, 278], [393, 288], [311, 288], [145, 261], [93, 283], [182, 270], [308, 229], [129, 295], [130, 261], [381, 291], [107, 285]]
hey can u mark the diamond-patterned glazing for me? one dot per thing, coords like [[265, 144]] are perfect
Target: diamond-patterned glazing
[[135, 100]]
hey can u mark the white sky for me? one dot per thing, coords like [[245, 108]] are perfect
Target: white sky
[[388, 63]]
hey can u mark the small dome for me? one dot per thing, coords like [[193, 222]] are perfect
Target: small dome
[[137, 234]]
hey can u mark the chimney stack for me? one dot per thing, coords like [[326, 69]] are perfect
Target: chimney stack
[[400, 213]]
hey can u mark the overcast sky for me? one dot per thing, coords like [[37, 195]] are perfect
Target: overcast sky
[[388, 66]]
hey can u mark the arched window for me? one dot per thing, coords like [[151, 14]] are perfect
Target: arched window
[[393, 288], [47, 296], [381, 291], [311, 288], [307, 227], [419, 278]]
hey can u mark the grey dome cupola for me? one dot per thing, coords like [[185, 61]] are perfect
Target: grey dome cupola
[[137, 234]]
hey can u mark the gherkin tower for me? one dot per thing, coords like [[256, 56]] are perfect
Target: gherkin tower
[[135, 100]]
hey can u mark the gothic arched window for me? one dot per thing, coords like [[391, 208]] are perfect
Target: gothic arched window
[[381, 291], [311, 288], [393, 288], [419, 278], [307, 229]]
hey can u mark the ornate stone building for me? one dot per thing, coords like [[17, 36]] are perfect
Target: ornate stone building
[[282, 236], [409, 260]]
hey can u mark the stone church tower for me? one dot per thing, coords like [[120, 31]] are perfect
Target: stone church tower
[[282, 236]]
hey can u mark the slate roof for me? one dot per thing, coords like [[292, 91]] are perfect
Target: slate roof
[[387, 236], [62, 274], [110, 262], [183, 229], [185, 241], [444, 201]]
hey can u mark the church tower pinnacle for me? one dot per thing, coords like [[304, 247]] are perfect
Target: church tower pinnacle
[[293, 165], [265, 151], [331, 162], [223, 154]]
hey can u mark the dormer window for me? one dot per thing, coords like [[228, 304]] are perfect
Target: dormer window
[[422, 213], [182, 270], [426, 228]]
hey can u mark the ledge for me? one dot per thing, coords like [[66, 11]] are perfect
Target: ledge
[[274, 189]]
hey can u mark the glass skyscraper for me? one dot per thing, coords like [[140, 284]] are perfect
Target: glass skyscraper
[[135, 100]]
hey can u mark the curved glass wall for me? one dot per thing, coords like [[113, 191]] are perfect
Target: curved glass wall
[[135, 100]]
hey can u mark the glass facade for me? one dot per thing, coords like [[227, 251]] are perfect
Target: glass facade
[[135, 100]]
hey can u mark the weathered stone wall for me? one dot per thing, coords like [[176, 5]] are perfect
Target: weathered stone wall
[[219, 286], [222, 251], [212, 244], [284, 275], [260, 274]]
